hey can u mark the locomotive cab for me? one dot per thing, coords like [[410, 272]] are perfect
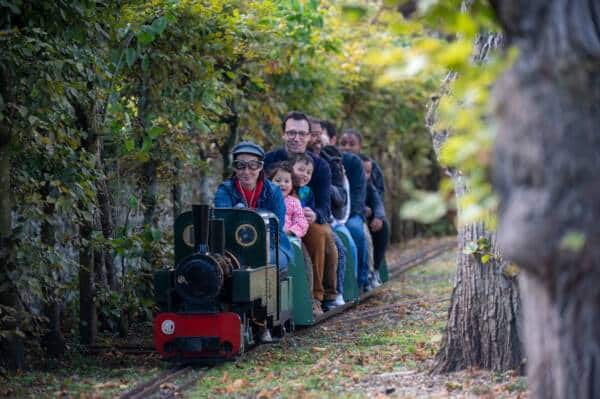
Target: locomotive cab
[[224, 285]]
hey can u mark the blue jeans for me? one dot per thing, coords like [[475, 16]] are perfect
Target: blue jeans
[[342, 229], [355, 225], [341, 269]]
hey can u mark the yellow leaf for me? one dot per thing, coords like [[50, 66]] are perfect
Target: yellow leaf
[[455, 55]]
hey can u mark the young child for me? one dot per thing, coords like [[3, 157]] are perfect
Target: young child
[[303, 166], [282, 174]]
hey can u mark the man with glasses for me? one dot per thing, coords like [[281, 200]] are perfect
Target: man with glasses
[[296, 136]]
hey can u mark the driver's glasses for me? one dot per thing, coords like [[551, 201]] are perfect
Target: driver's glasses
[[293, 133], [252, 165]]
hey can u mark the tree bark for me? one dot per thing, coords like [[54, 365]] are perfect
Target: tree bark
[[88, 324], [546, 162], [176, 190], [484, 314], [11, 346], [106, 221], [53, 341], [87, 291], [232, 122]]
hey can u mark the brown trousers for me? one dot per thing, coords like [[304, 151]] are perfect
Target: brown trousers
[[321, 246]]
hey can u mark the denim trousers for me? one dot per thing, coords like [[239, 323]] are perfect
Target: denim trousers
[[355, 225], [343, 230]]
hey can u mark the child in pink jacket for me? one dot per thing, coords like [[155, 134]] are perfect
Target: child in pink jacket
[[282, 174]]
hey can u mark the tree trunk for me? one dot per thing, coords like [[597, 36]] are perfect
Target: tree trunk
[[106, 221], [232, 123], [87, 121], [484, 313], [149, 184], [546, 163], [176, 190], [53, 341], [482, 329], [87, 309], [11, 346]]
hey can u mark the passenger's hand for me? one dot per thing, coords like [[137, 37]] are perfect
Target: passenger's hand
[[376, 225], [310, 215], [368, 211]]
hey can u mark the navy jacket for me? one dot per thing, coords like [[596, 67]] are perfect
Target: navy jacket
[[358, 182], [377, 178], [270, 199], [320, 182], [375, 202]]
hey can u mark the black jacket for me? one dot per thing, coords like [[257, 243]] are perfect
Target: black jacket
[[339, 196]]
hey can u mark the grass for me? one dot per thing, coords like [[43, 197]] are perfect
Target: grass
[[335, 360]]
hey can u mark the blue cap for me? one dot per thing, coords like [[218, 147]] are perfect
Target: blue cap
[[248, 147]]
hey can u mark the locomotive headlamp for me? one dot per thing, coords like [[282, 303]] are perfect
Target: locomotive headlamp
[[246, 235]]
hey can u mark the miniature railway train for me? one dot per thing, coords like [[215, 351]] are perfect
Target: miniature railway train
[[226, 284]]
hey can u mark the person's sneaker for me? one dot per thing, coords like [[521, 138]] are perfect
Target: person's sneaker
[[328, 305], [378, 277], [374, 280], [317, 310], [265, 336], [339, 300]]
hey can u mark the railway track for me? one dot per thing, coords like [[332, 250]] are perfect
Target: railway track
[[181, 378], [163, 385]]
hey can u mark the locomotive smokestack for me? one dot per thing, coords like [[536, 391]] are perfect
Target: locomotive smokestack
[[217, 236], [200, 219]]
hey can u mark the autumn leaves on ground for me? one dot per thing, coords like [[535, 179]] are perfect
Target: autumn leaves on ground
[[382, 348]]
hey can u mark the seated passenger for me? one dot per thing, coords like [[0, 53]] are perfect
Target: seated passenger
[[248, 188], [378, 225], [319, 145], [356, 222], [296, 131], [303, 167], [295, 225]]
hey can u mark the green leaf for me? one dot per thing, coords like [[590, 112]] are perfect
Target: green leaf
[[145, 37], [133, 202], [159, 25], [354, 13], [129, 145], [573, 241], [145, 63], [470, 248], [155, 131], [130, 56], [486, 258], [155, 234], [147, 144]]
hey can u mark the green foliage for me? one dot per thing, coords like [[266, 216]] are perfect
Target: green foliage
[[482, 249], [175, 84], [443, 41]]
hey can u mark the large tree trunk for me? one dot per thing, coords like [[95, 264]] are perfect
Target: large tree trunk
[[546, 164], [484, 313], [11, 346], [482, 329]]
